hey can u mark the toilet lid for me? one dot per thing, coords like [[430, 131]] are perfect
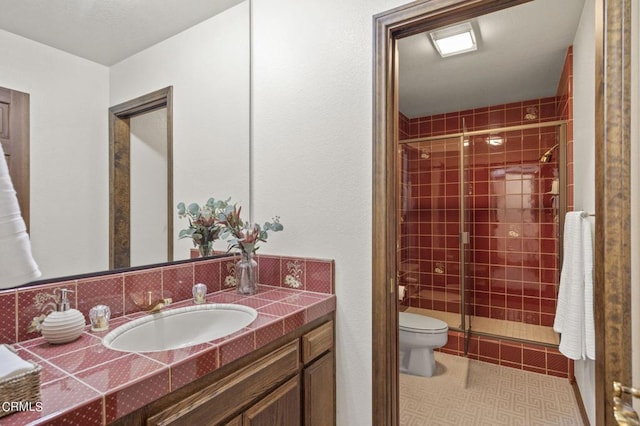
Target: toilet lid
[[421, 323]]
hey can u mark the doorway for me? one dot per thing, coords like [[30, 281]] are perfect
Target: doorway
[[14, 137], [127, 121], [612, 302]]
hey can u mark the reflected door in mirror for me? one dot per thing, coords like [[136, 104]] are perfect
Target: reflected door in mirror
[[14, 137], [149, 187]]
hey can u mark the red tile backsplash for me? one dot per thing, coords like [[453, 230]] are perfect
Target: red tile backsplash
[[208, 273], [101, 291], [142, 288], [123, 291], [269, 270], [177, 281], [8, 316]]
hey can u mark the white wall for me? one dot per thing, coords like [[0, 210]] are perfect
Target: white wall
[[208, 67], [312, 150], [584, 157], [69, 153]]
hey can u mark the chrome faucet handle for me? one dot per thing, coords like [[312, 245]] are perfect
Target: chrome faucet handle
[[199, 293]]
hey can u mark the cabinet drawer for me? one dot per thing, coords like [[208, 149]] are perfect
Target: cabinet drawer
[[222, 399], [317, 342]]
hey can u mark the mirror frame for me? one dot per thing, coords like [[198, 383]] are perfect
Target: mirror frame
[[119, 173], [612, 126]]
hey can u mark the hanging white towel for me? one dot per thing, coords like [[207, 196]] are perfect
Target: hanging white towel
[[574, 311], [16, 261]]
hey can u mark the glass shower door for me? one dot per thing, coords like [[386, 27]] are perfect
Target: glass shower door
[[429, 254]]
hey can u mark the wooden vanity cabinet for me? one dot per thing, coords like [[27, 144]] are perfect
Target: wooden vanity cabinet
[[318, 357], [291, 385]]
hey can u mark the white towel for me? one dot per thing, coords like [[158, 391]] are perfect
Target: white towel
[[16, 261], [11, 364], [574, 312]]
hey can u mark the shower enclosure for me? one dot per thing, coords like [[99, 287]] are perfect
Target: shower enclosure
[[479, 231]]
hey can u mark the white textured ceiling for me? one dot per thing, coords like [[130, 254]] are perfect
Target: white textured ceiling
[[105, 31], [520, 55], [521, 51]]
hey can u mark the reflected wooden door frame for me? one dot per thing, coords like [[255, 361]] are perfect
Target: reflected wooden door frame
[[120, 168], [612, 187], [15, 140]]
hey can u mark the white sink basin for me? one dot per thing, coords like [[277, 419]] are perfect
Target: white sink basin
[[179, 328]]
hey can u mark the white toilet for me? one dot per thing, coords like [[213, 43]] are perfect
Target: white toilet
[[419, 336]]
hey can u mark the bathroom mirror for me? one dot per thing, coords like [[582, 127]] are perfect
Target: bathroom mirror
[[207, 65]]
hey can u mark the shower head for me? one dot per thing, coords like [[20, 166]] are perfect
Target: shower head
[[546, 157]]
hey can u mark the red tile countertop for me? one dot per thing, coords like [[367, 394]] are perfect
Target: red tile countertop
[[85, 383]]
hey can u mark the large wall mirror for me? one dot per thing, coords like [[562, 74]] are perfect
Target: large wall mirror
[[206, 63]]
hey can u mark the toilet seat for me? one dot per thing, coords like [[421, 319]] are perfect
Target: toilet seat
[[416, 323]]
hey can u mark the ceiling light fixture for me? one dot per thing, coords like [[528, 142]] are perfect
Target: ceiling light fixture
[[494, 140], [454, 40]]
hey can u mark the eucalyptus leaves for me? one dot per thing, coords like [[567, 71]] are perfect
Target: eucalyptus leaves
[[217, 219], [203, 228]]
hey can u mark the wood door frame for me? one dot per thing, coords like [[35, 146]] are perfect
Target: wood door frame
[[612, 272], [120, 168]]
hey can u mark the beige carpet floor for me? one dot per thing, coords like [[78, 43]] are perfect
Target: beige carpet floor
[[469, 393]]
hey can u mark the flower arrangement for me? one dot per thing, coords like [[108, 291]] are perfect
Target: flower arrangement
[[203, 228], [243, 235]]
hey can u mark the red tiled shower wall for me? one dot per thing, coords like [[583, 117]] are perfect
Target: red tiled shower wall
[[430, 225], [513, 269], [121, 290], [512, 217], [485, 118]]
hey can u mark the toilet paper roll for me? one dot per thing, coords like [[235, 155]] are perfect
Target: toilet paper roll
[[401, 290]]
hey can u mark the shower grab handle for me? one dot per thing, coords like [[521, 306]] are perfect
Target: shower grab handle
[[465, 238]]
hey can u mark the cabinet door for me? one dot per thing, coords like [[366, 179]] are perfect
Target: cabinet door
[[281, 407], [319, 392], [237, 421]]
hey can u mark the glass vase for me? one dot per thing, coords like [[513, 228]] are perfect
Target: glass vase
[[246, 274], [205, 249]]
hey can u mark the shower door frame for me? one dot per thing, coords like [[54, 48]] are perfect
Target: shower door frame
[[464, 235], [461, 218]]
